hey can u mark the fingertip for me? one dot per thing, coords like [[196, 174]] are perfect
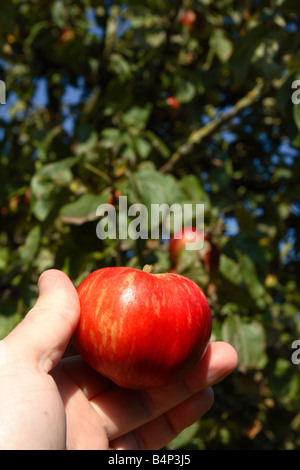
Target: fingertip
[[209, 397], [223, 360], [50, 324], [227, 351], [235, 357], [219, 360], [54, 279], [52, 275]]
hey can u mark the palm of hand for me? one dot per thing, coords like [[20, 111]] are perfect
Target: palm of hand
[[100, 415]]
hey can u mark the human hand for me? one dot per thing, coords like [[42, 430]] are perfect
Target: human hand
[[50, 402]]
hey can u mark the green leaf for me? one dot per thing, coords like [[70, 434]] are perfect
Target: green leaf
[[184, 437], [4, 258], [156, 39], [245, 244], [185, 91], [59, 14], [137, 117], [120, 66], [245, 219], [250, 276], [152, 187], [230, 269], [194, 190], [31, 245], [221, 45], [142, 147], [9, 318], [83, 209], [248, 339], [58, 173], [34, 32], [44, 139], [47, 184], [284, 381], [88, 141], [244, 50], [112, 137]]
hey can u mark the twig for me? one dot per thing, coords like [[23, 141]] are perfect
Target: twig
[[97, 172], [197, 136], [111, 173]]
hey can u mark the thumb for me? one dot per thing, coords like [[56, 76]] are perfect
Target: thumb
[[42, 337]]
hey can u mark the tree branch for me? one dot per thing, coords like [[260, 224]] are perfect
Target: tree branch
[[196, 137]]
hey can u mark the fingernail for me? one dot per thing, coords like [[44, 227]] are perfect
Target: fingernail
[[46, 282]]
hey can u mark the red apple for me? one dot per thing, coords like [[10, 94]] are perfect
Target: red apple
[[173, 102], [66, 35], [189, 19], [114, 198], [179, 240], [4, 210], [210, 253], [141, 330]]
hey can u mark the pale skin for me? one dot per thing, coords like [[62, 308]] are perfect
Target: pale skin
[[51, 402]]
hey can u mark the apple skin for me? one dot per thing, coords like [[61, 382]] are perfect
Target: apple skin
[[66, 35], [141, 330], [115, 197], [211, 256], [189, 19], [185, 235], [173, 102]]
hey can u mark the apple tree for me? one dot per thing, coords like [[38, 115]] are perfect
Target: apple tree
[[164, 102]]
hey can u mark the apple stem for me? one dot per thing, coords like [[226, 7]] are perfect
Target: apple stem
[[148, 268]]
